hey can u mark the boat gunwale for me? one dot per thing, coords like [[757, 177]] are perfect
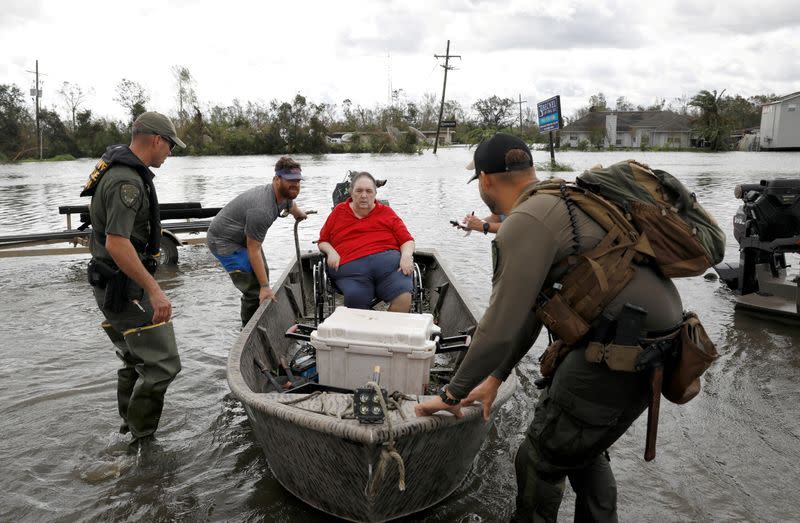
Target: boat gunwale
[[369, 434]]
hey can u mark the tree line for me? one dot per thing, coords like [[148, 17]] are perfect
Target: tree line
[[301, 125]]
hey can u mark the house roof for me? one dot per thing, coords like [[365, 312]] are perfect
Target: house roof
[[784, 98], [629, 120]]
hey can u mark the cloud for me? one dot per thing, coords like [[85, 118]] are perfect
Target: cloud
[[396, 31], [732, 17], [18, 12], [588, 27]]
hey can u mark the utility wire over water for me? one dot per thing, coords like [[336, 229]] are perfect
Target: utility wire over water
[[726, 455]]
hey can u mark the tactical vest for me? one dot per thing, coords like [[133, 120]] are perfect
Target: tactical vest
[[122, 155]]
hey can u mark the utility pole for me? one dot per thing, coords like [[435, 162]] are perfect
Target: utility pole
[[447, 56], [520, 110], [37, 92]]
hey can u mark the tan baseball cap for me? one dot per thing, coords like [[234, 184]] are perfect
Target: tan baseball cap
[[152, 122]]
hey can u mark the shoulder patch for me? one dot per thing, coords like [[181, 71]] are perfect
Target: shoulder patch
[[130, 195]]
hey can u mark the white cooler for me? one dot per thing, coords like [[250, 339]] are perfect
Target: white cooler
[[351, 342]]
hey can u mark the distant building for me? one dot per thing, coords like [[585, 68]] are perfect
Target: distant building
[[780, 123], [629, 129]]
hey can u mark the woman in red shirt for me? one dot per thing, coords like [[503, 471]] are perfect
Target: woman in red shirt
[[369, 249]]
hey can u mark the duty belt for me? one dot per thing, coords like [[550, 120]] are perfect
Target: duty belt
[[648, 353]]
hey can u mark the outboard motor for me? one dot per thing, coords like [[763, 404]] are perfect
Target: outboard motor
[[771, 210], [766, 226]]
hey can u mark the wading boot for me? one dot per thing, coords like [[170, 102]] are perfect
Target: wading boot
[[126, 376], [248, 285], [154, 347]]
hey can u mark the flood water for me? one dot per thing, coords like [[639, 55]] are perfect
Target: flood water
[[731, 454]]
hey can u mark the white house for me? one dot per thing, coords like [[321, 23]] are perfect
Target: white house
[[780, 123], [629, 129]]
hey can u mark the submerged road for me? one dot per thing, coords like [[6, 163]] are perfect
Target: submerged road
[[731, 454]]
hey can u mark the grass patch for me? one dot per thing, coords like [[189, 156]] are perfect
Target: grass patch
[[554, 167]]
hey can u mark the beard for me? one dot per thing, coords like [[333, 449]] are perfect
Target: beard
[[287, 191], [490, 202]]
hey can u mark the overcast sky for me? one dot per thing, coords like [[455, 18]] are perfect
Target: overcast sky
[[329, 51]]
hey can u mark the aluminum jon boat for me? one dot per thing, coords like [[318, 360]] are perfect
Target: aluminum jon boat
[[314, 444]]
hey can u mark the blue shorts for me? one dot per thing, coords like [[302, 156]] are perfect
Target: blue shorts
[[376, 275], [238, 261]]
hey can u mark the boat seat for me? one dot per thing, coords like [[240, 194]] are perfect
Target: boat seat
[[325, 291]]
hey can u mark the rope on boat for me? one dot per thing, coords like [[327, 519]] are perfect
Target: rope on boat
[[301, 399], [388, 453], [340, 414]]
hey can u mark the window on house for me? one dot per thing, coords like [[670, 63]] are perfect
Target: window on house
[[619, 141], [573, 136], [792, 107]]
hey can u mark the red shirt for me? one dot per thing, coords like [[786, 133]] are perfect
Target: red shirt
[[352, 237]]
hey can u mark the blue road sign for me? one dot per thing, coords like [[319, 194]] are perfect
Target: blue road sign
[[549, 114]]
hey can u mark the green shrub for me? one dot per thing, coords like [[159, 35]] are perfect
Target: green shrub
[[61, 158], [553, 167]]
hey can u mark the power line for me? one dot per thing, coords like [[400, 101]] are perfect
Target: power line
[[521, 101], [37, 92], [447, 56]]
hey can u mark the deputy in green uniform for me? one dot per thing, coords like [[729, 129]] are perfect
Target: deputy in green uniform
[[126, 233], [587, 406]]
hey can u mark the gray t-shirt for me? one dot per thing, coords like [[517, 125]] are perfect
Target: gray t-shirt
[[249, 215]]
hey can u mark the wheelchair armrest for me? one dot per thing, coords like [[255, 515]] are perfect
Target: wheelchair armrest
[[453, 344], [300, 332]]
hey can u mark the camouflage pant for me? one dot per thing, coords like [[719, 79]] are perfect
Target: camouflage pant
[[583, 412], [150, 362]]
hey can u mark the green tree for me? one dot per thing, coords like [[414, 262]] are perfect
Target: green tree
[[92, 136], [185, 94], [15, 121], [494, 112], [710, 124], [73, 97], [623, 104], [132, 97], [55, 137]]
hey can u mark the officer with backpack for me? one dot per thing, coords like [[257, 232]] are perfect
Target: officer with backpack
[[553, 263]]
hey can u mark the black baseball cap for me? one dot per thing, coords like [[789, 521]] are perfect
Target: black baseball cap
[[490, 155]]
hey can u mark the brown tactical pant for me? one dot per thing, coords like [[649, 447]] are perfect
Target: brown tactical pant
[[583, 412]]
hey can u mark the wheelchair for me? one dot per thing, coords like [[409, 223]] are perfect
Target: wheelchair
[[325, 291]]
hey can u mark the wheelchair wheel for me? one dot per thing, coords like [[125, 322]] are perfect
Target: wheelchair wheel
[[417, 291], [324, 295]]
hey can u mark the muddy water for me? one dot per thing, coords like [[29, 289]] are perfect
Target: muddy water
[[731, 454]]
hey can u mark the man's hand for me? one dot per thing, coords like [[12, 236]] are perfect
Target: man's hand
[[434, 405], [333, 259], [162, 308], [300, 215], [406, 264], [485, 393], [473, 222], [266, 294]]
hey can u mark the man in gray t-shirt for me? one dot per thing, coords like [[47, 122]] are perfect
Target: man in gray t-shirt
[[237, 232]]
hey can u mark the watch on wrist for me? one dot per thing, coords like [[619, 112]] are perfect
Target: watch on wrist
[[447, 399], [485, 227], [264, 285]]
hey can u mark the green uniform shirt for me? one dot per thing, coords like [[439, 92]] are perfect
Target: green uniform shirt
[[119, 206], [536, 235]]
